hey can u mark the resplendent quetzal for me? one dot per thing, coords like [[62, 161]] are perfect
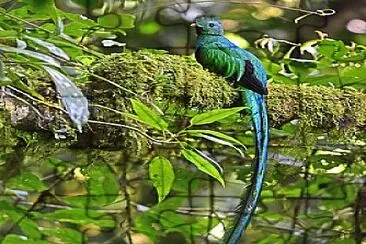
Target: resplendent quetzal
[[219, 55]]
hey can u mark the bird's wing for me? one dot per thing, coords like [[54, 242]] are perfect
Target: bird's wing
[[250, 80], [220, 59], [228, 60]]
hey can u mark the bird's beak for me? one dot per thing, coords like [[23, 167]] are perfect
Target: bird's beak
[[193, 25]]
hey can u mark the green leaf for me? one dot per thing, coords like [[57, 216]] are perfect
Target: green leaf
[[187, 225], [115, 21], [16, 81], [30, 228], [102, 185], [86, 60], [127, 21], [26, 181], [16, 215], [216, 134], [44, 7], [149, 28], [148, 116], [50, 47], [214, 115], [73, 99], [162, 176], [210, 160], [36, 55], [17, 239], [5, 34], [323, 79], [102, 188], [301, 67], [217, 137], [133, 116], [355, 76], [109, 21], [79, 217], [145, 220], [78, 25], [332, 49], [358, 57], [271, 67], [202, 164], [65, 235]]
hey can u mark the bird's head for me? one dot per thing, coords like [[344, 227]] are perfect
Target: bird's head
[[208, 25]]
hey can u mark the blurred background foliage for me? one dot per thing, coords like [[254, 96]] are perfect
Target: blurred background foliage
[[315, 185]]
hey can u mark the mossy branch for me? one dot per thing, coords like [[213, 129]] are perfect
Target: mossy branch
[[317, 106], [178, 83], [160, 76]]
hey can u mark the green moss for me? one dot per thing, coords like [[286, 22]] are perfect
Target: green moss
[[317, 106], [155, 75], [7, 135]]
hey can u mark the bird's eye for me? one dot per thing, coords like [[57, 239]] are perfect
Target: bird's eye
[[211, 24]]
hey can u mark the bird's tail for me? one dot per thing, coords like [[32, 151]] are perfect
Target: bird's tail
[[249, 202]]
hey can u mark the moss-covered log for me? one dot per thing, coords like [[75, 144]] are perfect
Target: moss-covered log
[[180, 82]]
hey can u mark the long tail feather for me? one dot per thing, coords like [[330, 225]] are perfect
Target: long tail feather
[[249, 202]]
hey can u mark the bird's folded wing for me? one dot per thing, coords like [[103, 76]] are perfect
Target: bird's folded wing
[[227, 61], [219, 59], [250, 81]]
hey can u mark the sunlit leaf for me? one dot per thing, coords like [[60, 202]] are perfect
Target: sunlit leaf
[[102, 185], [211, 160], [332, 49], [109, 21], [85, 60], [216, 134], [79, 217], [217, 137], [66, 235], [73, 99], [202, 164], [148, 115], [30, 228], [149, 28], [214, 115], [117, 21], [5, 34], [50, 46], [43, 6], [237, 40], [19, 239], [162, 176], [27, 181], [36, 55]]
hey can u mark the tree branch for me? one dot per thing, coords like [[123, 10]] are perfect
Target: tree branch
[[175, 83]]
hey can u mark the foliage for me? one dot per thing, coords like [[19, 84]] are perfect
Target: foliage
[[173, 182]]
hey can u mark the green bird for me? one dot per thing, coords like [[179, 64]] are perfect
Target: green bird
[[219, 55]]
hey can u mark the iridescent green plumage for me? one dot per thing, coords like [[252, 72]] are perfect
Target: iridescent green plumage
[[221, 56]]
